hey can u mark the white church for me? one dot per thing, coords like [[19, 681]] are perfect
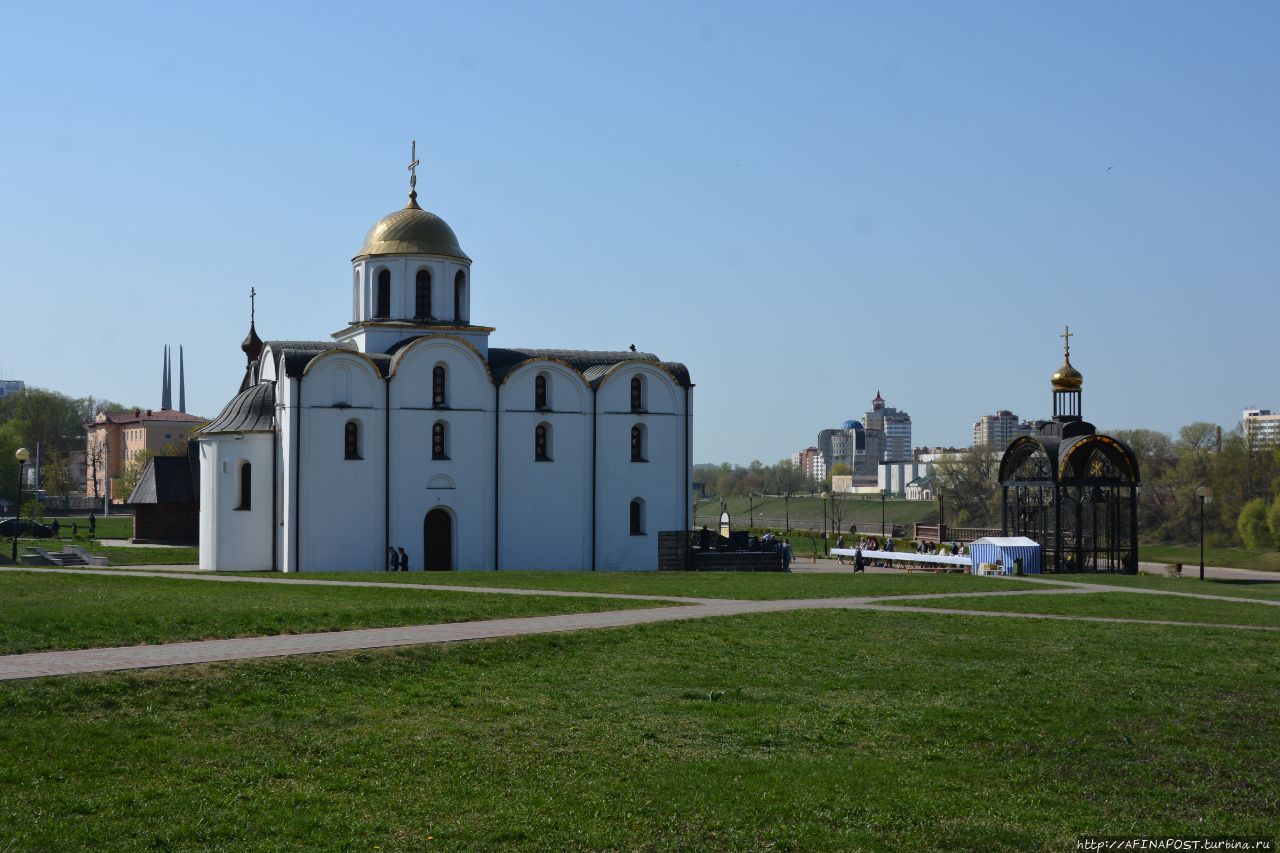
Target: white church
[[408, 429]]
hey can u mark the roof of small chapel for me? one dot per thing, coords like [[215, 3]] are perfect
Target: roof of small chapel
[[252, 410]]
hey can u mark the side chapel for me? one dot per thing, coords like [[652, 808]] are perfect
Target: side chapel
[[1072, 489]]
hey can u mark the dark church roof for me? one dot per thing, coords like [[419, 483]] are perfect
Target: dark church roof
[[292, 357], [594, 365], [252, 410], [166, 480]]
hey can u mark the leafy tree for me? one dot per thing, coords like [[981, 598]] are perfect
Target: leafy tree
[[1252, 525], [970, 479], [840, 469], [55, 473], [1273, 519]]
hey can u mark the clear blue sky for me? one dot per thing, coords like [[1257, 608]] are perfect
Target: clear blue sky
[[803, 202]]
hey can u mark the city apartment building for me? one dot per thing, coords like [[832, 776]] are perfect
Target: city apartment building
[[994, 432], [1261, 427], [113, 439]]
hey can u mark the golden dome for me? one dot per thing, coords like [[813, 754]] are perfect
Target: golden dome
[[1067, 378], [412, 231]]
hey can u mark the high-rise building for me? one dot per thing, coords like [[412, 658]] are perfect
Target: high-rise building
[[9, 387], [896, 427], [1261, 428], [810, 461], [994, 432]]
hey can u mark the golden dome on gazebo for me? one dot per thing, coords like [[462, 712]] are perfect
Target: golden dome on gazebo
[[1067, 378]]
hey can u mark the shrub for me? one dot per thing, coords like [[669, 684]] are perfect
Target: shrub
[[1273, 520], [1252, 525]]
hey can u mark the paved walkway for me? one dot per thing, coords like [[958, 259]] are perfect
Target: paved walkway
[[208, 651]]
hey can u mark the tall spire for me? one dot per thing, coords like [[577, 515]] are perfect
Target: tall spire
[[166, 385], [413, 175], [252, 344], [182, 382]]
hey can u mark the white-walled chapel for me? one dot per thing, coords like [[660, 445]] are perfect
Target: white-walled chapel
[[408, 430]]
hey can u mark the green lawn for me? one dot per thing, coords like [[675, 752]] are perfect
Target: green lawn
[[1189, 556], [856, 511], [121, 555], [109, 527], [812, 730], [1125, 605], [745, 585], [42, 611], [1233, 588]]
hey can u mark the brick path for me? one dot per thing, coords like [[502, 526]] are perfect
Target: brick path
[[39, 664]]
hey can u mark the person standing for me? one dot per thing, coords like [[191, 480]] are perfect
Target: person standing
[[404, 561], [93, 525], [393, 560], [786, 555], [859, 564], [840, 546]]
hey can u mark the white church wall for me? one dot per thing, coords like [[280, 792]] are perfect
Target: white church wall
[[286, 426], [232, 537], [544, 513], [340, 513], [463, 484], [661, 482]]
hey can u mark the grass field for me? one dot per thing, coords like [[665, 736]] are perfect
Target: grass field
[[1233, 588], [108, 527], [856, 511], [43, 611], [1120, 604], [810, 730], [1189, 556], [743, 585]]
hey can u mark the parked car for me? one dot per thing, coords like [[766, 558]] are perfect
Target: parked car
[[23, 527]]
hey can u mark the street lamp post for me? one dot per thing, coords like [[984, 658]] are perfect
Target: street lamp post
[[883, 493], [824, 524], [1205, 494], [751, 510], [942, 513], [786, 502], [22, 455]]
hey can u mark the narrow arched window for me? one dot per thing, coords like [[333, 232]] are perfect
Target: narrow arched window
[[637, 517], [422, 296], [439, 397], [542, 443], [351, 441], [460, 296], [637, 394], [540, 396], [383, 296], [637, 444], [246, 486], [439, 440]]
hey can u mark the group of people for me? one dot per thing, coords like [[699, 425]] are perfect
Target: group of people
[[397, 560]]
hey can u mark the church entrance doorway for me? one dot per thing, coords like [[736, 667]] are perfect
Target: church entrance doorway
[[437, 541]]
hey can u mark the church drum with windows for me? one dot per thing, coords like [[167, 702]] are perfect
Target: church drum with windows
[[408, 430]]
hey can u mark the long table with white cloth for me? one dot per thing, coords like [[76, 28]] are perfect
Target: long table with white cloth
[[941, 561]]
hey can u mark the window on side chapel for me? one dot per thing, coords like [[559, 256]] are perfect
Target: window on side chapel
[[439, 441], [246, 486], [637, 517], [637, 444], [637, 394], [351, 441], [422, 296], [540, 392], [438, 397], [542, 443]]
